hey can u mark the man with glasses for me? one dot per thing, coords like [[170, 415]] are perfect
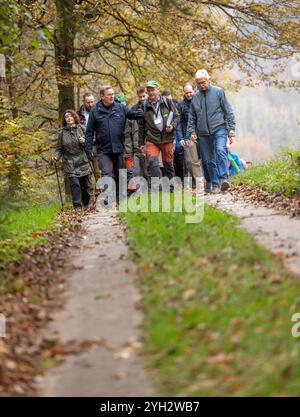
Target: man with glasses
[[211, 122]]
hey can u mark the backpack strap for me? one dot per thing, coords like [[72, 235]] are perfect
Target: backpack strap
[[167, 102]]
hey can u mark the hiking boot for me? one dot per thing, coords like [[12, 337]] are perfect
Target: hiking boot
[[215, 190], [225, 185]]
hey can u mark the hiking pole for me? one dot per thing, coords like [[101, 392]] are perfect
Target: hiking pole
[[58, 183]]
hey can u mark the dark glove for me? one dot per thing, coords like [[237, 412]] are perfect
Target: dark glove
[[139, 113]]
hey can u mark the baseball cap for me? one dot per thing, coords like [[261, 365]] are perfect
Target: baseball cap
[[152, 84]]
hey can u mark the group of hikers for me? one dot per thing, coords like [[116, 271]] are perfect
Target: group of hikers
[[157, 137]]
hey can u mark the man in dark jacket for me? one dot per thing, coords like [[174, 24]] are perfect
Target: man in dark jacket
[[157, 129], [107, 120], [134, 158], [190, 148], [88, 102], [142, 97], [211, 121], [178, 156]]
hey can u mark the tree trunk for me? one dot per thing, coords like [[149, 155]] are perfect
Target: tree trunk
[[11, 86], [65, 32]]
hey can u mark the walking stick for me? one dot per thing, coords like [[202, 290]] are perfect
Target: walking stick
[[57, 178], [58, 183]]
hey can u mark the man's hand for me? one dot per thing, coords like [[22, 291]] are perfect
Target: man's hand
[[182, 142], [81, 140], [169, 129], [139, 113], [143, 149], [231, 136], [194, 138]]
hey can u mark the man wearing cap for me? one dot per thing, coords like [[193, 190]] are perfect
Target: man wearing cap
[[211, 122], [156, 130]]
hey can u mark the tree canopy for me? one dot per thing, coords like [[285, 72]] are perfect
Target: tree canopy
[[59, 48]]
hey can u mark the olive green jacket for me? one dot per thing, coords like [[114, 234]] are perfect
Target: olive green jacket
[[131, 135], [75, 161], [147, 128]]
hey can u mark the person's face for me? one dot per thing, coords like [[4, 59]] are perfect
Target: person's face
[[69, 119], [188, 92], [108, 97], [202, 83], [89, 103], [142, 97], [153, 93]]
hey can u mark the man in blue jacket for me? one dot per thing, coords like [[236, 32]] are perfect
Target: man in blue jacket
[[107, 120], [211, 121]]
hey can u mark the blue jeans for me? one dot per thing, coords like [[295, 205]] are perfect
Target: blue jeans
[[214, 156], [221, 152]]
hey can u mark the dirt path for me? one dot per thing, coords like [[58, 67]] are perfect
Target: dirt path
[[100, 303], [279, 233]]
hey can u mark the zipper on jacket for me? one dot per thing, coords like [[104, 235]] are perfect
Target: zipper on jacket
[[206, 113]]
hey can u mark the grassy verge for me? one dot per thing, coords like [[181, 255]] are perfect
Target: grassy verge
[[217, 305], [24, 227], [282, 174]]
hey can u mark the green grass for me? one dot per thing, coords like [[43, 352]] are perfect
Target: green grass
[[217, 307], [24, 227], [281, 174]]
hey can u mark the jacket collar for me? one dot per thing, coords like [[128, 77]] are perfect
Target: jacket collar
[[70, 127], [100, 106], [81, 110], [149, 105], [187, 101], [207, 90]]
